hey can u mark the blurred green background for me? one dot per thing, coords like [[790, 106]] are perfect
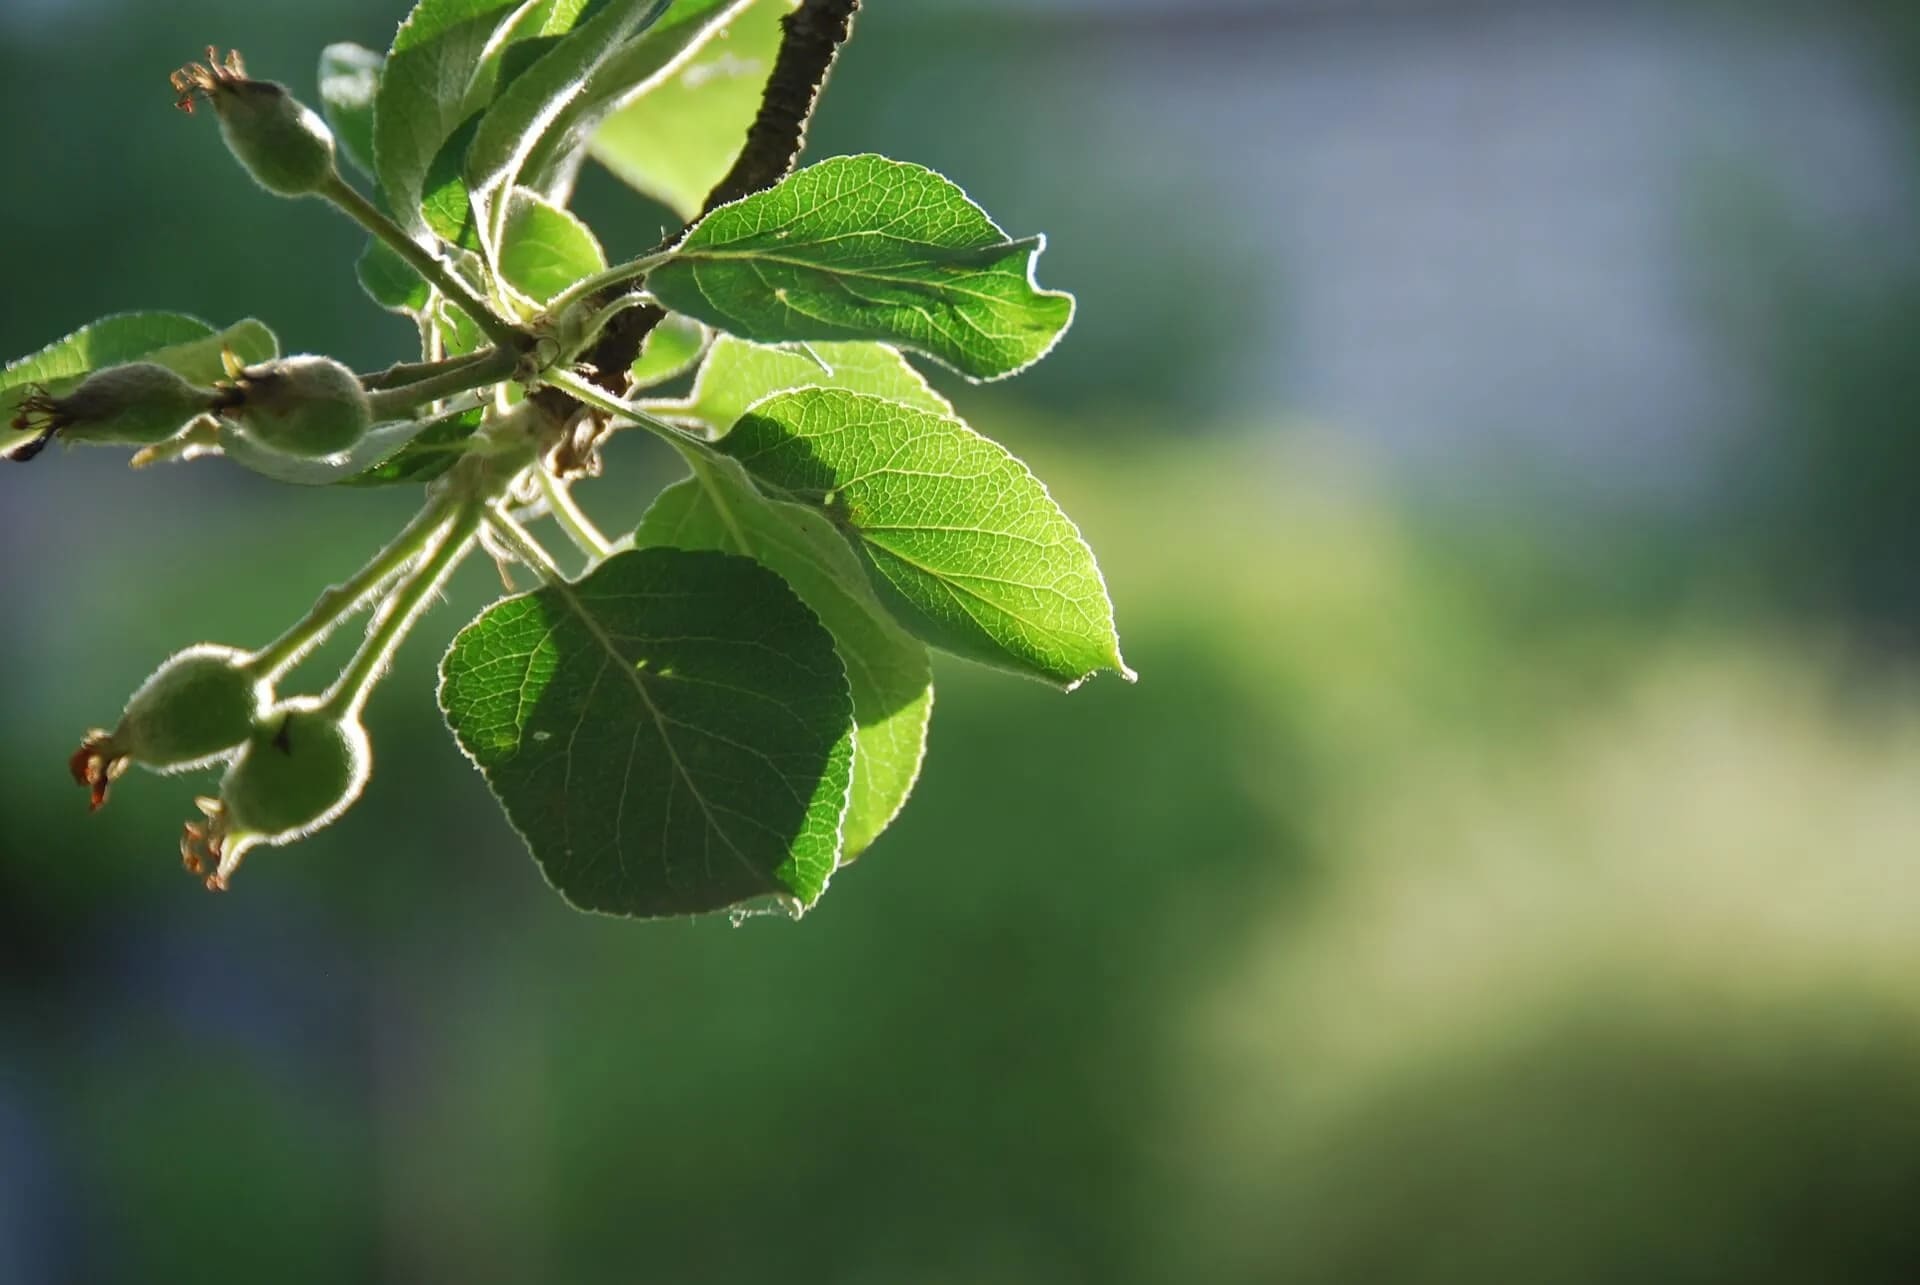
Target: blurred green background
[[1497, 425]]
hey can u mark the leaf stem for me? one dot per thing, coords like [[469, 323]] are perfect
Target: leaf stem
[[572, 519], [458, 377], [340, 601], [412, 372], [451, 543], [522, 545], [371, 217], [618, 275], [591, 394]]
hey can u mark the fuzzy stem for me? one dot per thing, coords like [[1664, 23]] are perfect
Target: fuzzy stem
[[398, 403], [590, 394], [401, 612], [618, 275], [412, 372], [371, 217], [572, 519], [344, 599], [522, 545]]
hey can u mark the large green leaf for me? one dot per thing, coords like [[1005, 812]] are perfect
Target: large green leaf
[[534, 102], [181, 343], [678, 138], [963, 542], [545, 249], [670, 735], [428, 88], [349, 83], [892, 679], [861, 247], [737, 374]]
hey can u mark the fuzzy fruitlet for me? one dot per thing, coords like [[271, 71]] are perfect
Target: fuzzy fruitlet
[[133, 405], [196, 708], [301, 768], [306, 407], [281, 141]]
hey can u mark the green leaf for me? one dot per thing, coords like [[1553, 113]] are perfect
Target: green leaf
[[181, 343], [633, 70], [536, 100], [737, 374], [889, 671], [428, 88], [963, 542], [679, 138], [428, 454], [349, 82], [444, 202], [670, 350], [670, 735], [861, 247], [545, 249], [390, 280]]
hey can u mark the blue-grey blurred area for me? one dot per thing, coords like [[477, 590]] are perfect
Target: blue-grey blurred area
[[1496, 421]]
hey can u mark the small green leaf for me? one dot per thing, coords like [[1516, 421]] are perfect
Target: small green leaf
[[179, 342], [963, 542], [861, 247], [670, 350], [534, 102], [670, 735], [891, 677], [679, 137], [349, 83], [428, 454], [545, 249], [390, 280], [737, 374], [444, 202], [429, 86]]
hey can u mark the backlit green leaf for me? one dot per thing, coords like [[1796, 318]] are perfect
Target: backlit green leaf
[[678, 138], [390, 280], [425, 455], [635, 67], [737, 374], [861, 247], [891, 677], [349, 82], [671, 349], [538, 98], [546, 249], [427, 90], [670, 735], [382, 457], [964, 544]]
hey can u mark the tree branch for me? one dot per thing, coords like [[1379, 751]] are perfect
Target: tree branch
[[811, 40]]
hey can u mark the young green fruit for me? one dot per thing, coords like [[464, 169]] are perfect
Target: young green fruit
[[306, 407], [300, 769], [281, 141], [194, 710], [133, 405]]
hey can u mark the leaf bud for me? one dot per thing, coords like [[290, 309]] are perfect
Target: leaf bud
[[138, 404], [198, 707], [281, 141], [307, 407]]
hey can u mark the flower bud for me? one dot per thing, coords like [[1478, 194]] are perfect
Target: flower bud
[[306, 407], [133, 405], [198, 707], [299, 770], [281, 141]]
